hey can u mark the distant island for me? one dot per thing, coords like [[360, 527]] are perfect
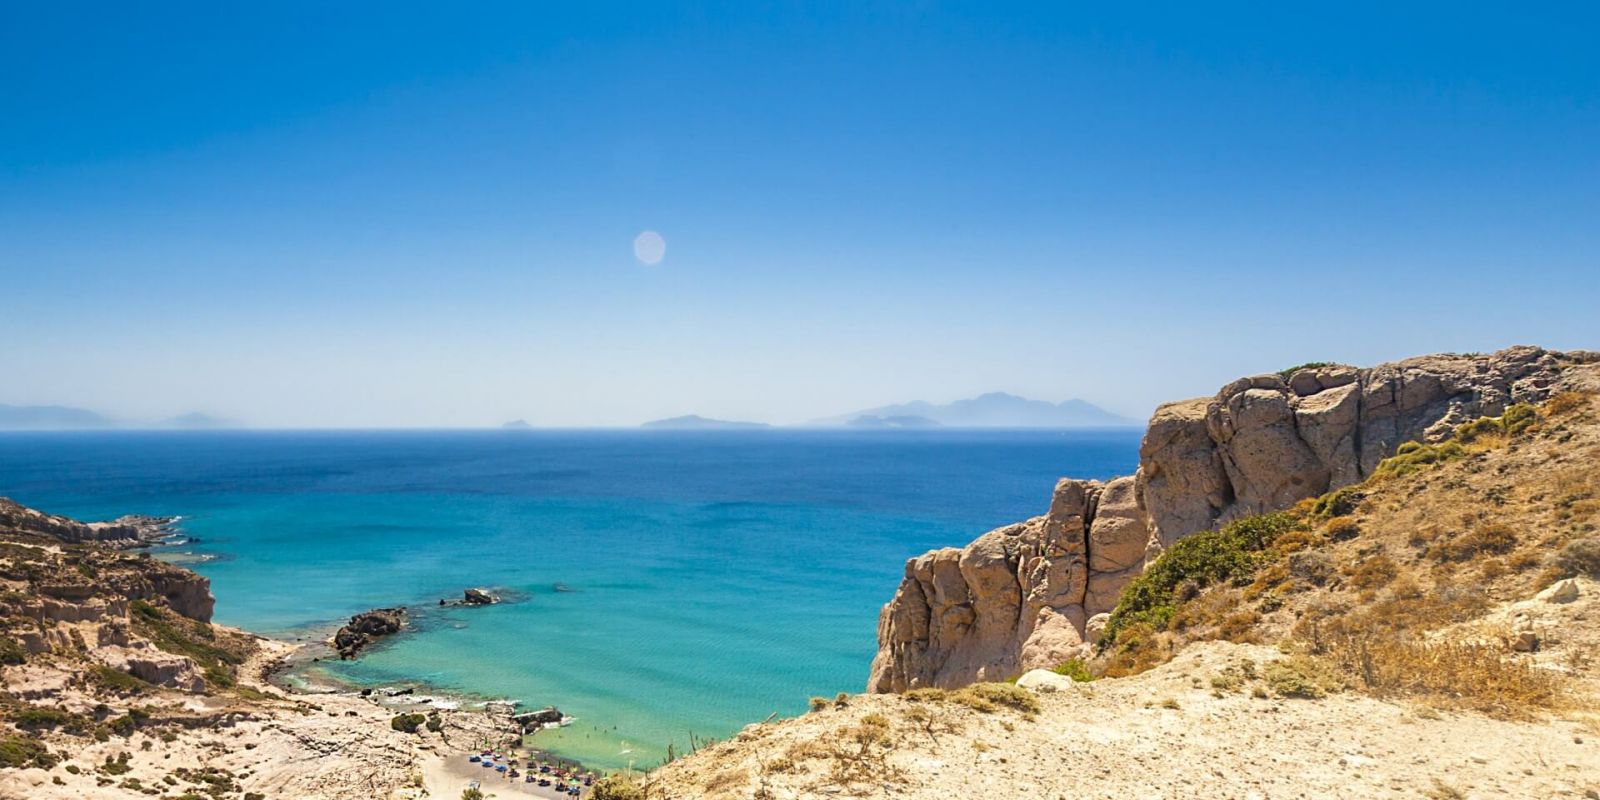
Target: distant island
[[195, 420], [66, 418], [699, 423], [993, 410], [48, 418], [517, 425], [902, 421]]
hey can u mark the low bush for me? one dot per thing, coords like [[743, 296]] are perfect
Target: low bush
[[407, 723], [1579, 557], [987, 697], [1339, 503], [18, 752], [1566, 403], [1413, 456], [617, 787], [1074, 668], [1286, 374], [11, 652], [1231, 553], [1302, 677], [1484, 540]]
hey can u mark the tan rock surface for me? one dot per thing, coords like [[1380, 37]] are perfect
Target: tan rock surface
[[1020, 595]]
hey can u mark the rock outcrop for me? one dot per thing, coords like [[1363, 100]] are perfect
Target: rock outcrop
[[1021, 596], [478, 597], [365, 628]]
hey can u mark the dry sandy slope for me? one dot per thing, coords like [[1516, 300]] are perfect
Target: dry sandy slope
[[1122, 738]]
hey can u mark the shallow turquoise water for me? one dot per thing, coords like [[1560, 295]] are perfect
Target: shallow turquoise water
[[715, 578]]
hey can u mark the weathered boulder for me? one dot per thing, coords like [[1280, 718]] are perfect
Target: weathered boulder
[[478, 597], [366, 627], [1044, 681], [1021, 596]]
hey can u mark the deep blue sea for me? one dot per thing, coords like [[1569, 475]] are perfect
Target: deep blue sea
[[711, 578]]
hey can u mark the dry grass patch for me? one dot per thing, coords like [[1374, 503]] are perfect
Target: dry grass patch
[[1482, 677]]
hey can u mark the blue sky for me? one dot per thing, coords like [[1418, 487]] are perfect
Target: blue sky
[[400, 214]]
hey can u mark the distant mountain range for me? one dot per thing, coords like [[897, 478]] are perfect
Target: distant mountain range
[[993, 410], [64, 418], [47, 418], [696, 422]]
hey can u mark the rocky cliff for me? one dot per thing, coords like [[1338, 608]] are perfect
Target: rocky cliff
[[1027, 595]]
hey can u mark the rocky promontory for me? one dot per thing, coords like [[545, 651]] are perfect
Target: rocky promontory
[[1028, 595]]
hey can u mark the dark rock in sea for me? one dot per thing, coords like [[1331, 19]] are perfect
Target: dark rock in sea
[[366, 627], [478, 597], [534, 720]]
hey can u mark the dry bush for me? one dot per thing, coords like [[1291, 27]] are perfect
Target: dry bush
[[1339, 529], [1477, 676], [1303, 677], [1579, 557], [1490, 539], [989, 697], [1374, 573], [1566, 403]]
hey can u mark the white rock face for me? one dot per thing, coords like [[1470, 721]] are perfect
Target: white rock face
[[1021, 596]]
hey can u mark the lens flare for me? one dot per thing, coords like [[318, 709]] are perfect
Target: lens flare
[[649, 247]]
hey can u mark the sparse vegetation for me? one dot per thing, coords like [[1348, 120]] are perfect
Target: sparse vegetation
[[1302, 677], [19, 752], [1074, 668], [989, 697], [617, 787], [1231, 553], [1286, 374]]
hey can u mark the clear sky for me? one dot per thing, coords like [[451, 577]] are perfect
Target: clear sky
[[335, 214]]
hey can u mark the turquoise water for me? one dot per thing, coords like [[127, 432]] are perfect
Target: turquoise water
[[715, 578]]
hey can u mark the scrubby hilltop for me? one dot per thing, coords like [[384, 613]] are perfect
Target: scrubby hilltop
[[1420, 624], [1024, 595]]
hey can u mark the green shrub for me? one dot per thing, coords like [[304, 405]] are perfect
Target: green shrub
[[1231, 553], [11, 652], [180, 635], [1286, 374], [435, 722], [116, 680], [407, 722], [17, 752], [35, 719], [472, 793], [617, 787], [1302, 677], [1413, 456], [1338, 503], [1074, 668]]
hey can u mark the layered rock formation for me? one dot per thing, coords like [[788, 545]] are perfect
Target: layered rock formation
[[1023, 596]]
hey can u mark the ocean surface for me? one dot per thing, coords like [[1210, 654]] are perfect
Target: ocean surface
[[706, 579]]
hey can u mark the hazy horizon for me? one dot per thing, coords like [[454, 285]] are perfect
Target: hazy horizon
[[410, 216]]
